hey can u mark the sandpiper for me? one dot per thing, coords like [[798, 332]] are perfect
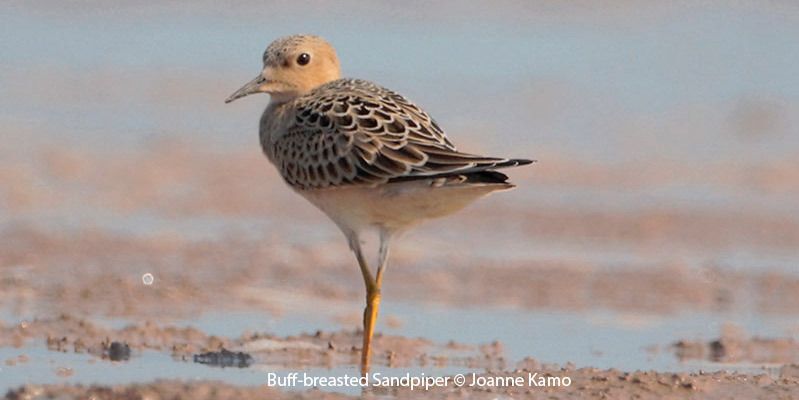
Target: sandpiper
[[366, 156]]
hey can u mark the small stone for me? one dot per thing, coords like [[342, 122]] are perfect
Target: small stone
[[118, 351], [224, 358]]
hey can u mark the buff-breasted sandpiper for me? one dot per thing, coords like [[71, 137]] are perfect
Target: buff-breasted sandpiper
[[365, 155]]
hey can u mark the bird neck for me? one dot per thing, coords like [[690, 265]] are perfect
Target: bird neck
[[278, 99], [274, 123]]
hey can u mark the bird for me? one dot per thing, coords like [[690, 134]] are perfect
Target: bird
[[366, 156]]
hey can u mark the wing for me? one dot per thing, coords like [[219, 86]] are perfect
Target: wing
[[353, 132]]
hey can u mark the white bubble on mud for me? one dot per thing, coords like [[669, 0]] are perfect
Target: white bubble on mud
[[147, 279]]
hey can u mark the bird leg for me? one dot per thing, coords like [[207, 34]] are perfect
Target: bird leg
[[382, 261], [372, 297], [369, 321]]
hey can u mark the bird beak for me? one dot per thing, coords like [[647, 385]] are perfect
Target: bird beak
[[257, 85]]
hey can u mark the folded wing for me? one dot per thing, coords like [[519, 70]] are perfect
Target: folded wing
[[353, 132]]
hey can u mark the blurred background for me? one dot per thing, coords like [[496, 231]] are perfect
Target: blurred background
[[663, 205]]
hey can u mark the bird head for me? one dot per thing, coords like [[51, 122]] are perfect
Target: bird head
[[293, 66]]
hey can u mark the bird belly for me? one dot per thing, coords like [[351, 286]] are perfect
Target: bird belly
[[394, 206]]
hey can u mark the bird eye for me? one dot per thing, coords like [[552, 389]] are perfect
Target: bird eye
[[303, 59]]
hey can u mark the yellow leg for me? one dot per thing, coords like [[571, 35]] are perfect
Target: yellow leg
[[372, 294], [369, 321]]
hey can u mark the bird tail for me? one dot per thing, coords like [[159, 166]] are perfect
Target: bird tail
[[483, 172]]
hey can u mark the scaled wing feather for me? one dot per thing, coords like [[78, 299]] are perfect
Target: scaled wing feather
[[350, 132]]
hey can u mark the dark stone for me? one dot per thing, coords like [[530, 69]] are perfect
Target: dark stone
[[118, 351], [224, 358]]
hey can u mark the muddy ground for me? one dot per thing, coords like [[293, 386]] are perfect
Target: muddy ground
[[588, 383], [68, 334], [59, 280]]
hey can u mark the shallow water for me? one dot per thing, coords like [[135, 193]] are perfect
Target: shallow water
[[42, 367], [599, 339]]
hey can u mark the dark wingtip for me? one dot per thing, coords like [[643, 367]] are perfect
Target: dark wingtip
[[515, 162]]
